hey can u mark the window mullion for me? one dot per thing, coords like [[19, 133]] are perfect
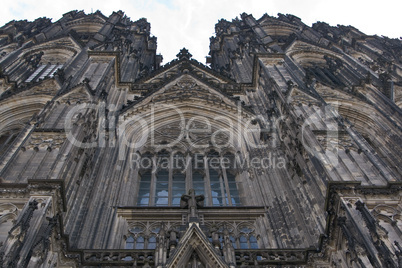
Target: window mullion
[[153, 183], [137, 181], [189, 172], [207, 183], [227, 191], [222, 184], [146, 237], [170, 188]]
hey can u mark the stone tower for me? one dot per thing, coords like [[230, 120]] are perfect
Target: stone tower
[[285, 152]]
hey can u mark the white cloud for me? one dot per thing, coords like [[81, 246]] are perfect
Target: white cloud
[[184, 23]]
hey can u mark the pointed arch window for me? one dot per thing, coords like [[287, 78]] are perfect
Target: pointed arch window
[[243, 242], [234, 192], [217, 188], [162, 188], [140, 242], [206, 175], [135, 242], [253, 242], [144, 189], [130, 242], [247, 238], [152, 242], [178, 187], [241, 236], [248, 241], [141, 237], [198, 183]]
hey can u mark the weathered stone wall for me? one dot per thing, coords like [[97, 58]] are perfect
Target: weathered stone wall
[[320, 104]]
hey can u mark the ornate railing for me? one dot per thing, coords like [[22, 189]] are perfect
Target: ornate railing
[[121, 257], [246, 257], [263, 257]]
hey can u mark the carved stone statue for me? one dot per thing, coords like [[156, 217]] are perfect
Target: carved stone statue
[[192, 202]]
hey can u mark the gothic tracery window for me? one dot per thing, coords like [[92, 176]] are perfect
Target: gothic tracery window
[[242, 236], [168, 177], [162, 188], [144, 189], [178, 187], [141, 237], [130, 242], [234, 193], [247, 238], [198, 183], [217, 188], [135, 242]]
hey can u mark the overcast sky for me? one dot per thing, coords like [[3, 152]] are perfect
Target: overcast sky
[[188, 23]]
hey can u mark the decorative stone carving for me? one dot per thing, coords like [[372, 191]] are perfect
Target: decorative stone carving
[[46, 140], [311, 210]]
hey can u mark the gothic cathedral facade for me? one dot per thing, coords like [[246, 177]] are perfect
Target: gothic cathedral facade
[[284, 150]]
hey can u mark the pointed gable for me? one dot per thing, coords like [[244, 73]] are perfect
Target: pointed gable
[[299, 96], [187, 87], [194, 241], [48, 87], [189, 91], [186, 80], [185, 65], [78, 94]]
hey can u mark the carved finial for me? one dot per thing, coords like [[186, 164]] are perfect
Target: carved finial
[[214, 230], [398, 246], [192, 202], [184, 54]]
